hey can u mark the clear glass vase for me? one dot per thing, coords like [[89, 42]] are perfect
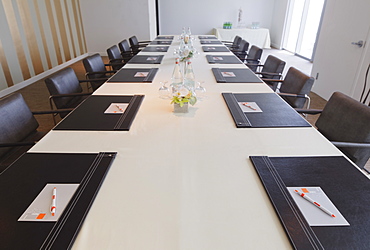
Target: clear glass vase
[[178, 109]]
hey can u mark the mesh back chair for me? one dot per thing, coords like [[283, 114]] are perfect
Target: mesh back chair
[[253, 57], [295, 88], [271, 69], [345, 122], [241, 51], [96, 70], [233, 45], [115, 57], [65, 90], [18, 128]]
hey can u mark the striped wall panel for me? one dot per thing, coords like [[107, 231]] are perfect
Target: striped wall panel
[[37, 35]]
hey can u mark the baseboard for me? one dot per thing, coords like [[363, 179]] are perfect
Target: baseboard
[[38, 77]]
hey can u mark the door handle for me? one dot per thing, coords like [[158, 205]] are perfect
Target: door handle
[[359, 43]]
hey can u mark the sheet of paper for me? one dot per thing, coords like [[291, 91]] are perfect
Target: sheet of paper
[[250, 107], [141, 74], [39, 210], [116, 108], [152, 58], [217, 58], [313, 215], [228, 74]]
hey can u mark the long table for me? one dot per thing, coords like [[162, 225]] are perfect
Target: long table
[[184, 181], [259, 37]]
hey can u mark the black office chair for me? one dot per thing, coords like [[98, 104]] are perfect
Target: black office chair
[[253, 57], [346, 123], [125, 50], [234, 44], [136, 45], [18, 128], [115, 57], [65, 90], [96, 69], [295, 88], [271, 69], [242, 51]]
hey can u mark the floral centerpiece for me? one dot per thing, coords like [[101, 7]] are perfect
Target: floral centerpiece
[[187, 54], [181, 99]]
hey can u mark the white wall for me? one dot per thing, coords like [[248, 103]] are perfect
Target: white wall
[[278, 23], [204, 15], [108, 22]]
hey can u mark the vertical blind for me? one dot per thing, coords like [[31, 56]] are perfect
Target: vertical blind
[[37, 35]]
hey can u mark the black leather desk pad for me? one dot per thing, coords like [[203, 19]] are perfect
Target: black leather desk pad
[[207, 37], [225, 59], [156, 49], [210, 42], [157, 42], [345, 186], [89, 115], [242, 75], [164, 38], [23, 181], [128, 75], [215, 49], [141, 59], [276, 112]]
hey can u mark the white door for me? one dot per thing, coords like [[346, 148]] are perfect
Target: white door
[[338, 61]]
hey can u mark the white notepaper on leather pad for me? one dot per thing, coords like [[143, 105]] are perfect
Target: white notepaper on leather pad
[[39, 210], [313, 215]]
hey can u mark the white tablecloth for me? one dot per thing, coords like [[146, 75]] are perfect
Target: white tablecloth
[[184, 181], [259, 37]]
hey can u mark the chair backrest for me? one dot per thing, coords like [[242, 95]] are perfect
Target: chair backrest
[[253, 57], [243, 47], [114, 53], [347, 120], [92, 64], [134, 43], [64, 82], [124, 46], [296, 82], [236, 42], [273, 65], [17, 121], [115, 57]]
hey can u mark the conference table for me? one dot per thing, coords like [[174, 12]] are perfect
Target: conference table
[[184, 180]]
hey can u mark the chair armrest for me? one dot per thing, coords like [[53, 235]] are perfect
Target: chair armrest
[[351, 144], [94, 80], [248, 63], [17, 144], [293, 95], [309, 111], [115, 61], [271, 80], [44, 112], [68, 95], [269, 74], [101, 72]]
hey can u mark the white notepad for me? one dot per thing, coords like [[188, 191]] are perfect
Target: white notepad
[[116, 108], [250, 107], [39, 210], [313, 215]]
